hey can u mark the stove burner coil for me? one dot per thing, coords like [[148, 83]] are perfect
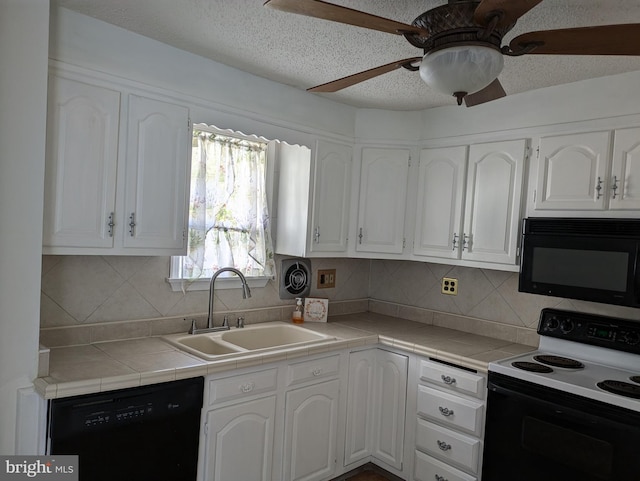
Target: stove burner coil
[[532, 367], [559, 361], [619, 387]]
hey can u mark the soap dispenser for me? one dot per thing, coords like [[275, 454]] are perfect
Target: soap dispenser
[[297, 317]]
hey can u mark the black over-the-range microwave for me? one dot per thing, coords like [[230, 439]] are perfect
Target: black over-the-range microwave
[[579, 258]]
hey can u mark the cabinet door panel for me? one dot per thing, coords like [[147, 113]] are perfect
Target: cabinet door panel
[[332, 196], [390, 392], [492, 212], [383, 189], [158, 154], [570, 170], [625, 170], [240, 441], [440, 201], [311, 418], [360, 405], [82, 155]]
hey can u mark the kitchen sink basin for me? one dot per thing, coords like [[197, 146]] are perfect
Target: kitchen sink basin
[[256, 338]]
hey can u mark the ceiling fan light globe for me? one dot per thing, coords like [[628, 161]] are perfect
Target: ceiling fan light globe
[[463, 68]]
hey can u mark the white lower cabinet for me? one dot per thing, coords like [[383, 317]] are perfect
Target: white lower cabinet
[[311, 422], [449, 423], [376, 407]]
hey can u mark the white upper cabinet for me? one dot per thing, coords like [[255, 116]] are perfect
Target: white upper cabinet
[[573, 171], [492, 207], [116, 172], [82, 157], [441, 177], [314, 196], [625, 170], [474, 219], [156, 192], [383, 193]]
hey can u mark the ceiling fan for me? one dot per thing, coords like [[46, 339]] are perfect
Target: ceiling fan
[[461, 43]]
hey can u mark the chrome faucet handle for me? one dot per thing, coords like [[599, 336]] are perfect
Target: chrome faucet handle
[[194, 327], [240, 322], [225, 322]]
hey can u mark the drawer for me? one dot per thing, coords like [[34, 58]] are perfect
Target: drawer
[[451, 410], [457, 380], [244, 385], [313, 369], [430, 469], [451, 446]]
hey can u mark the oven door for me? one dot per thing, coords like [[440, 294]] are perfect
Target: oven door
[[535, 433]]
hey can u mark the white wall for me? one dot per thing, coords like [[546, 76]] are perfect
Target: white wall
[[24, 26]]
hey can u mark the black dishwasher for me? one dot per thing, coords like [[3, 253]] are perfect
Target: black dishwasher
[[145, 433]]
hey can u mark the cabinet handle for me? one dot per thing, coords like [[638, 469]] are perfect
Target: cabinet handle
[[248, 387], [465, 241], [132, 224], [360, 236], [599, 188], [614, 187], [441, 478], [316, 372], [448, 379], [455, 241], [316, 235], [445, 411], [110, 224], [443, 446]]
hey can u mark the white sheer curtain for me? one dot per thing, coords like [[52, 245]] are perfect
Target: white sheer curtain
[[229, 219]]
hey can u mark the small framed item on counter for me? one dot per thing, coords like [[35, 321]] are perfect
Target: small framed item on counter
[[316, 309]]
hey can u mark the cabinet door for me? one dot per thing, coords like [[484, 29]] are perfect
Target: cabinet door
[[492, 210], [572, 172], [390, 393], [157, 169], [311, 419], [383, 191], [360, 406], [239, 441], [440, 201], [331, 199], [81, 161], [625, 170]]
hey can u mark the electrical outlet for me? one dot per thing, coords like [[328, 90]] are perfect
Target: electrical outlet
[[326, 278], [449, 286]]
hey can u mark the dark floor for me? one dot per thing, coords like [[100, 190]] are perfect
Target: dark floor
[[368, 476]]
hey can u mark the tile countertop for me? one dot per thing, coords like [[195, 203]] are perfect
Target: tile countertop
[[106, 366]]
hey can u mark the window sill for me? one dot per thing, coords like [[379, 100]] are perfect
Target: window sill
[[179, 285]]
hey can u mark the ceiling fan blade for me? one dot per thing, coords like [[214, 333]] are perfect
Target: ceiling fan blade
[[491, 92], [337, 13], [621, 39], [509, 10], [345, 82]]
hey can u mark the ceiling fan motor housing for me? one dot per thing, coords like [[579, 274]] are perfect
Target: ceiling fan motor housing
[[452, 24]]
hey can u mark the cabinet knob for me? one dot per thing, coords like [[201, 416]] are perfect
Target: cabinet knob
[[132, 224], [110, 224], [248, 387], [316, 372]]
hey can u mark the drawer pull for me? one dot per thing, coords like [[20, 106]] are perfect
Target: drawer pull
[[445, 411], [316, 372], [448, 379], [248, 387], [443, 446], [441, 478]]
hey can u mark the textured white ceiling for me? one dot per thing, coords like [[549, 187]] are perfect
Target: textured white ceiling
[[305, 52]]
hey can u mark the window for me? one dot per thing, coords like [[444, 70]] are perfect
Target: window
[[228, 213]]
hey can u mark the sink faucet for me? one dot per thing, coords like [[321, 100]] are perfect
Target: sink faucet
[[246, 292]]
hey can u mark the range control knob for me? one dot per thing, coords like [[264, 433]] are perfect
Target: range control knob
[[552, 323], [566, 325], [632, 338]]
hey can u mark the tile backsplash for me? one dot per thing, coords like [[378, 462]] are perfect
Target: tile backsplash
[[99, 292]]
